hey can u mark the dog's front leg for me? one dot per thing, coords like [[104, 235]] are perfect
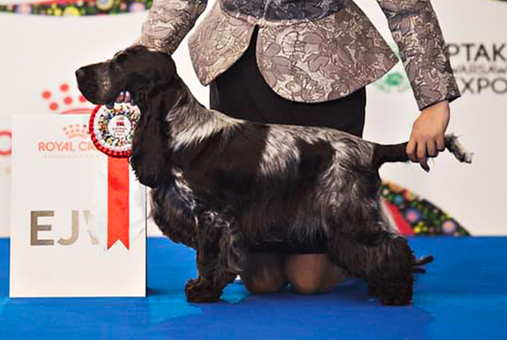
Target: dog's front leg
[[214, 231], [204, 288]]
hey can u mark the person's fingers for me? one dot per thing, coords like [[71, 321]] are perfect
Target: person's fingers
[[421, 156], [124, 97], [121, 97], [440, 143], [411, 148], [127, 97], [431, 148]]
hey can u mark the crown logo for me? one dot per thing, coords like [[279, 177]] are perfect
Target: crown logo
[[63, 102], [76, 131]]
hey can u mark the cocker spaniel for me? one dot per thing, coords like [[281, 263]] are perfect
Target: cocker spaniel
[[222, 185]]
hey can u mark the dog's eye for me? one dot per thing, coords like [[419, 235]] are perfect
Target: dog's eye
[[121, 58], [115, 67]]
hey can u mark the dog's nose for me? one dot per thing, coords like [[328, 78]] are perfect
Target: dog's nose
[[80, 73]]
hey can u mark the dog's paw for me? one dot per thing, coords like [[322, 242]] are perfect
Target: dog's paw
[[196, 291], [392, 294], [396, 300], [371, 291]]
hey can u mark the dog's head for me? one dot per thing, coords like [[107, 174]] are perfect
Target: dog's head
[[135, 69], [145, 74]]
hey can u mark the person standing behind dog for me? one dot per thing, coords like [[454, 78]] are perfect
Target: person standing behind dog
[[307, 63]]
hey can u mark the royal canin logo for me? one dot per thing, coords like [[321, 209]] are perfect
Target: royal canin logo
[[77, 142]]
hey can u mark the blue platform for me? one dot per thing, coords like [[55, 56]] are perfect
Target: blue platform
[[463, 296]]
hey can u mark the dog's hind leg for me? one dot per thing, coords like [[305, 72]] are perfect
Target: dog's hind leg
[[383, 259], [220, 257]]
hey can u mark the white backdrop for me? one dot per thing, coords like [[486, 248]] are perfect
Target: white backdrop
[[475, 195], [39, 55]]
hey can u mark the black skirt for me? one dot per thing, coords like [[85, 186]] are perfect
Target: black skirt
[[241, 92]]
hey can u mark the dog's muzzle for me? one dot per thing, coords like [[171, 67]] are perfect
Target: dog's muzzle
[[90, 86]]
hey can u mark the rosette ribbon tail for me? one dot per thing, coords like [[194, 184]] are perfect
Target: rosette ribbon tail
[[111, 130], [118, 223]]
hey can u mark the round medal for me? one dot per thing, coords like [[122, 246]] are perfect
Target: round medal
[[112, 130]]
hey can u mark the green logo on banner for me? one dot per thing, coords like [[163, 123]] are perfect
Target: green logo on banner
[[395, 80]]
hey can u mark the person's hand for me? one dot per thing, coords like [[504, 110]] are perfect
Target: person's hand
[[427, 137], [123, 97]]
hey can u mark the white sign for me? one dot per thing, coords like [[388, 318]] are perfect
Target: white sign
[[61, 237]]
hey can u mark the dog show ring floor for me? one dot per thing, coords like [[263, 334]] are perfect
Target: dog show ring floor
[[463, 295]]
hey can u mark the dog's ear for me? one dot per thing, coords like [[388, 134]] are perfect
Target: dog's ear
[[150, 153], [149, 161], [168, 71], [140, 71], [159, 79], [153, 77], [162, 70], [139, 86]]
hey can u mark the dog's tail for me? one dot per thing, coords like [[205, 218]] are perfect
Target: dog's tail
[[397, 152]]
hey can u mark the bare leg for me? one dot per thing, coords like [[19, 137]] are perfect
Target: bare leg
[[313, 273], [264, 273], [307, 273]]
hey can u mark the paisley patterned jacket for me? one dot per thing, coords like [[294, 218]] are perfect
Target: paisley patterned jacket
[[309, 50]]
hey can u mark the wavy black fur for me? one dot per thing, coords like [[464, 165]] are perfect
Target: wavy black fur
[[222, 185]]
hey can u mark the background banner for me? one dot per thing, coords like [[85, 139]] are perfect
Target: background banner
[[472, 194], [44, 43]]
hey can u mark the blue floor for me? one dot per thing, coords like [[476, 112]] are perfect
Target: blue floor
[[463, 296]]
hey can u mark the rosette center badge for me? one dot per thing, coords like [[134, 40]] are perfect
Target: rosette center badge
[[120, 128]]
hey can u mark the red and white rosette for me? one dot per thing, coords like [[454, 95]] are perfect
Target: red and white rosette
[[112, 132]]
